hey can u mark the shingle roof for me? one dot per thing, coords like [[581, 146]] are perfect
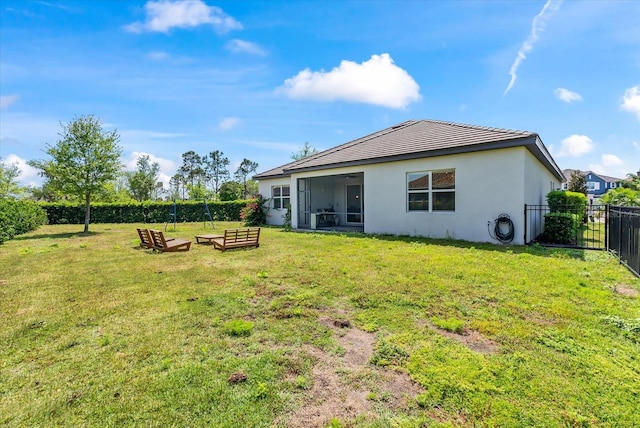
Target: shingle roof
[[415, 139], [567, 173]]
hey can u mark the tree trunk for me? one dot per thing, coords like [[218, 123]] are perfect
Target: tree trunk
[[87, 212]]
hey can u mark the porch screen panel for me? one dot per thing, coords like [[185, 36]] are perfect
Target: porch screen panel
[[304, 203]]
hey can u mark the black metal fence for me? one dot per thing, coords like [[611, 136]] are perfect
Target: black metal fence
[[567, 226], [624, 235]]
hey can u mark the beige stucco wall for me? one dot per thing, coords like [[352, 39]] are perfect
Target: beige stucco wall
[[488, 184]]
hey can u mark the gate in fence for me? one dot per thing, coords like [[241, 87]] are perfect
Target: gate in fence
[[624, 235], [567, 226]]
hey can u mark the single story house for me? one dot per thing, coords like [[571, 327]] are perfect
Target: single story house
[[597, 184], [421, 177]]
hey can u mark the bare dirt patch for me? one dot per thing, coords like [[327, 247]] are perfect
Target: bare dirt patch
[[344, 383], [626, 290], [471, 339]]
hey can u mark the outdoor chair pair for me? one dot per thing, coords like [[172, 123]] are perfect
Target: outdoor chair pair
[[155, 239]]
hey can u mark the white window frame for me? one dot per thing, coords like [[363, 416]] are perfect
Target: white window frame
[[429, 190], [280, 201], [593, 185]]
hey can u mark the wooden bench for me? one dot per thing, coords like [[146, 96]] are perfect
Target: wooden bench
[[160, 243], [237, 238]]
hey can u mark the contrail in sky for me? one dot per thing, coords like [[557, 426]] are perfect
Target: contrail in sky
[[537, 25]]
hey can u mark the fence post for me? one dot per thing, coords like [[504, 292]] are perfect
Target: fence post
[[525, 224], [607, 216]]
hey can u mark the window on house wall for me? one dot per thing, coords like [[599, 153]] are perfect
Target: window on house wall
[[431, 191], [280, 197], [593, 185]]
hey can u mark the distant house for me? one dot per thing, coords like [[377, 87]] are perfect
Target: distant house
[[421, 177], [597, 184]]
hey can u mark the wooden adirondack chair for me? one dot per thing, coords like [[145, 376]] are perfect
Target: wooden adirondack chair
[[160, 243], [145, 238]]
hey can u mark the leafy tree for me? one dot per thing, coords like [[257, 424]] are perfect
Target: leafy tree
[[252, 189], [577, 182], [632, 182], [305, 151], [83, 161], [9, 186], [197, 191], [622, 196], [216, 169], [114, 191], [46, 193], [142, 183], [245, 169], [230, 191]]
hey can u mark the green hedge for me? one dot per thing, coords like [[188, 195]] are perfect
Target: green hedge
[[18, 217], [565, 201], [143, 212], [568, 210], [561, 228]]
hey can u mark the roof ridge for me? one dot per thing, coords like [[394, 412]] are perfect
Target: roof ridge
[[484, 128]]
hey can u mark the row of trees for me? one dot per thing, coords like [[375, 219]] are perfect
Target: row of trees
[[84, 165]]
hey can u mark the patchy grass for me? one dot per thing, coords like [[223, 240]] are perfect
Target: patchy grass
[[96, 332]]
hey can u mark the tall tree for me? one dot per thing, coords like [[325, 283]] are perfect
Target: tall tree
[[245, 168], [9, 186], [83, 161], [142, 182], [305, 151], [577, 182], [178, 186], [192, 169], [216, 169]]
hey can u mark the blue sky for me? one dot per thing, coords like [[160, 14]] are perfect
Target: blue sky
[[258, 79]]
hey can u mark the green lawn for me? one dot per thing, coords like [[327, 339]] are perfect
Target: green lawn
[[96, 332]]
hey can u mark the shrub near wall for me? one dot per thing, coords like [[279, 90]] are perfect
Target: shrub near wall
[[18, 217], [567, 212], [143, 212]]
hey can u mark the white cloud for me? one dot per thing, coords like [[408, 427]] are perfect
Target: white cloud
[[163, 15], [631, 100], [228, 123], [615, 170], [242, 46], [576, 145], [566, 95], [28, 175], [611, 160], [7, 100], [538, 24], [377, 81], [167, 167], [636, 145]]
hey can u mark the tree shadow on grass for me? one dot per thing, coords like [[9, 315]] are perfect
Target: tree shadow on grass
[[57, 236]]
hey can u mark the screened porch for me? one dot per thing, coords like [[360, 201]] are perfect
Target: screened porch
[[333, 202]]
